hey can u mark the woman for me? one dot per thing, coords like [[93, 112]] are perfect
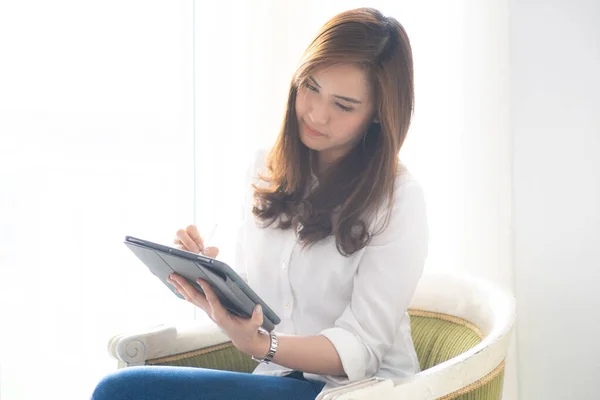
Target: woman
[[337, 237]]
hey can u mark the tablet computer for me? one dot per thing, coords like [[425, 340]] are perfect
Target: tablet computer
[[235, 294]]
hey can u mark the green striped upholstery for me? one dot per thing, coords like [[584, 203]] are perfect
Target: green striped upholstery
[[491, 390], [440, 338], [223, 357], [436, 340]]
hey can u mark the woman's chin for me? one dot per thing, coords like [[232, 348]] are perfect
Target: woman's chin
[[308, 143]]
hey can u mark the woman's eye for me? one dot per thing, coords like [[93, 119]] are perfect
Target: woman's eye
[[311, 87], [343, 108]]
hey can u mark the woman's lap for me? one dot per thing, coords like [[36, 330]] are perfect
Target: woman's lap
[[184, 383]]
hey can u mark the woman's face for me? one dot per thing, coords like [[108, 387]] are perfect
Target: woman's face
[[335, 107]]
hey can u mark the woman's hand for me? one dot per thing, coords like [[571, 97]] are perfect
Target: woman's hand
[[243, 332], [189, 239]]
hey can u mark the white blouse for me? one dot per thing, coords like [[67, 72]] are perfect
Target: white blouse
[[358, 302]]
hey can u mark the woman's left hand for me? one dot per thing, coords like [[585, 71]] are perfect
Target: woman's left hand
[[243, 332]]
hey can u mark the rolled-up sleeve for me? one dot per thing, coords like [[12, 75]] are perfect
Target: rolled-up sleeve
[[383, 286]]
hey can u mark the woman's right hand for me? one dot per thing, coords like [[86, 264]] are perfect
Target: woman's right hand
[[189, 239]]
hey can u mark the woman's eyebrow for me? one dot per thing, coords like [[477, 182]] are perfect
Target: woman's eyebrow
[[348, 99]]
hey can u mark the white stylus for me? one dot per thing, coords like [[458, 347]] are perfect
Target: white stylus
[[209, 237]]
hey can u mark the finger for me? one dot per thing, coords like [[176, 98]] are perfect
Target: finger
[[178, 287], [219, 313], [180, 290], [177, 244], [195, 236], [257, 316], [190, 293], [197, 298], [187, 241], [211, 251]]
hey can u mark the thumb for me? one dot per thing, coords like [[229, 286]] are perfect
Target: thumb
[[257, 315], [211, 251]]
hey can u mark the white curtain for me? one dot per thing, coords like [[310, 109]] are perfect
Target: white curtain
[[137, 118], [96, 142]]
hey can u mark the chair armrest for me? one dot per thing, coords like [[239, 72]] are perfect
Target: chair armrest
[[136, 348], [466, 372]]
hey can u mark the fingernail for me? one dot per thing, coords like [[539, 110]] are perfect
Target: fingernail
[[258, 309]]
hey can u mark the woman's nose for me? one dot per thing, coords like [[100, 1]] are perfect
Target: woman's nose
[[318, 114]]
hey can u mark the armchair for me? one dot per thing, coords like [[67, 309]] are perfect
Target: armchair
[[461, 328]]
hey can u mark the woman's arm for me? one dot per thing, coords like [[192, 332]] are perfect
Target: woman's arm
[[311, 354], [383, 286], [393, 262]]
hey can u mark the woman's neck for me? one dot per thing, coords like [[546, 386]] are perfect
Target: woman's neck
[[323, 161]]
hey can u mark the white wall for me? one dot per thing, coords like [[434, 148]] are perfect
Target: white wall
[[95, 109], [555, 101]]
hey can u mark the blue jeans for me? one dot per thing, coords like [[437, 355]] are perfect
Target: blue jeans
[[186, 383]]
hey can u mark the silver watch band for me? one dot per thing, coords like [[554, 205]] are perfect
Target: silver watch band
[[272, 349]]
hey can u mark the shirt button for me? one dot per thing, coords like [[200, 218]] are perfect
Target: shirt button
[[284, 266], [287, 304]]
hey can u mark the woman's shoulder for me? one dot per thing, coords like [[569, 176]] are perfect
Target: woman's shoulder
[[406, 184], [407, 197], [406, 209]]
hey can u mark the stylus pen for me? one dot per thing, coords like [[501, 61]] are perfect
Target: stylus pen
[[211, 234]]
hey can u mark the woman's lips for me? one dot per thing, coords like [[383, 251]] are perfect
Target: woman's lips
[[313, 132]]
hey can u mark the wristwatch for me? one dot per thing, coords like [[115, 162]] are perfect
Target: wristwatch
[[272, 348]]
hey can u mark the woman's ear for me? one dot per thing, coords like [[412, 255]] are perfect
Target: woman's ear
[[376, 119]]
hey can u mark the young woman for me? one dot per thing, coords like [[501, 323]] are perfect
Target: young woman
[[336, 236]]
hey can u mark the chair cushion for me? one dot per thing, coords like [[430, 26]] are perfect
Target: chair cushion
[[439, 337]]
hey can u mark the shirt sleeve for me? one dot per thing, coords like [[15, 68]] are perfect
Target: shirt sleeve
[[384, 284]]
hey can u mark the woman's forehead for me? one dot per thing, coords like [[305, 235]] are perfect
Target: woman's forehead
[[344, 80]]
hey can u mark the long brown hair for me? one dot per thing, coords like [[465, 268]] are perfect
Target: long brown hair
[[352, 190]]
